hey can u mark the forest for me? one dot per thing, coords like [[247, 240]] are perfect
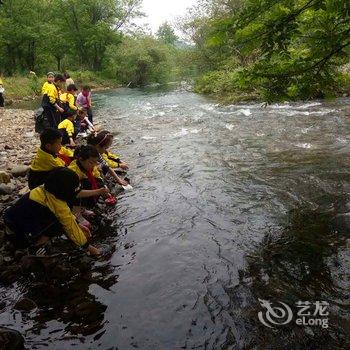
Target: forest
[[271, 49], [233, 49]]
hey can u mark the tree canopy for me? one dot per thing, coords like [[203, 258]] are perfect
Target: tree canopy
[[37, 34], [167, 34], [273, 48]]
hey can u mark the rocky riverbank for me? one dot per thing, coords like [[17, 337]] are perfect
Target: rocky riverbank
[[18, 143], [48, 277]]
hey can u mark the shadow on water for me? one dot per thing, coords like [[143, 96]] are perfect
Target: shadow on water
[[60, 286], [305, 261]]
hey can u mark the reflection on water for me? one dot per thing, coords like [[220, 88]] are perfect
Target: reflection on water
[[230, 204]]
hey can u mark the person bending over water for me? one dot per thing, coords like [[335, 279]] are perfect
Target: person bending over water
[[101, 142], [85, 166], [46, 212]]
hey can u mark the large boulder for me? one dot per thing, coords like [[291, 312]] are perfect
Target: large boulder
[[10, 339]]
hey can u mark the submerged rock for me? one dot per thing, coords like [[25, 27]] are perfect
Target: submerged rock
[[31, 264], [25, 304], [10, 275], [341, 224], [64, 273], [10, 339]]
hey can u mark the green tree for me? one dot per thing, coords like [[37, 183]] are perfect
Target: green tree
[[275, 49], [167, 34], [37, 34], [139, 61]]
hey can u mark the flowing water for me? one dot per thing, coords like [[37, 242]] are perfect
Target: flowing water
[[231, 204]]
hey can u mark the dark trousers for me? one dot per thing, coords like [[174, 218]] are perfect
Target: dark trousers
[[26, 221], [89, 115], [77, 126], [2, 102], [53, 117]]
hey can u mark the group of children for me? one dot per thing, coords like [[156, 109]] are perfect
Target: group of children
[[62, 108], [65, 180]]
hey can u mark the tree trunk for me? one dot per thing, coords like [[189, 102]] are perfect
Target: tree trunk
[[58, 59]]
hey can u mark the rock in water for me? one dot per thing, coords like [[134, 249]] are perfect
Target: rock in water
[[4, 177], [10, 339], [25, 304], [19, 170], [341, 224]]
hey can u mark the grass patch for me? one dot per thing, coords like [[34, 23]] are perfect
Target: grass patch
[[22, 87]]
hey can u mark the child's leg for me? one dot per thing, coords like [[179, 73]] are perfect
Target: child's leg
[[2, 102], [77, 127], [52, 117], [89, 114]]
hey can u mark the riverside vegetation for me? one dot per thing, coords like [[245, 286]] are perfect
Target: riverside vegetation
[[93, 40], [271, 49], [236, 50]]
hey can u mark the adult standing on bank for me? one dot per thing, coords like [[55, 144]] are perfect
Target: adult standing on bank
[[84, 101]]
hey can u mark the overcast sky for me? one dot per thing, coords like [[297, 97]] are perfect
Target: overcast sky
[[159, 11]]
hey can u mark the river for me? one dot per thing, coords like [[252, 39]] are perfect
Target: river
[[231, 204]]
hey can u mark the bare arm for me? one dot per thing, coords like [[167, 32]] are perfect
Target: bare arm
[[92, 193]]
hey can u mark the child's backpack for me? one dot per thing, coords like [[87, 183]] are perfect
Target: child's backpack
[[41, 122]]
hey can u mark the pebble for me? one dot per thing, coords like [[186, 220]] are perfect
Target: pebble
[[6, 188], [5, 178], [19, 170], [5, 198]]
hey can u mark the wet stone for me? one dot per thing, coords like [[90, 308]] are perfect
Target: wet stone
[[31, 264], [25, 304], [19, 254], [84, 264], [10, 275], [10, 339], [341, 224], [64, 273]]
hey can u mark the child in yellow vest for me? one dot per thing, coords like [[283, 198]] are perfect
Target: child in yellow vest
[[46, 158], [67, 129]]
